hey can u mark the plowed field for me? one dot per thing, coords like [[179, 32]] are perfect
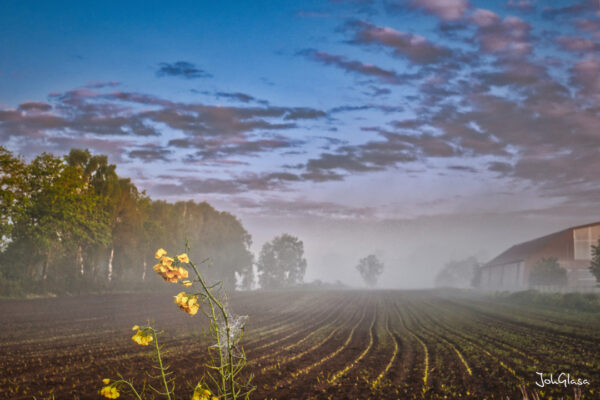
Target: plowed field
[[307, 344]]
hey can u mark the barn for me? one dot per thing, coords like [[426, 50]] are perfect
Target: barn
[[572, 247]]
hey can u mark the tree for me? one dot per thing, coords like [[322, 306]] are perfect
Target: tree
[[60, 213], [458, 274], [13, 192], [281, 262], [72, 224], [548, 272], [370, 268], [477, 275], [595, 263]]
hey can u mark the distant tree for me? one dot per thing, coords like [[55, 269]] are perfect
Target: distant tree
[[548, 272], [281, 262], [458, 274], [595, 263], [370, 268], [476, 280]]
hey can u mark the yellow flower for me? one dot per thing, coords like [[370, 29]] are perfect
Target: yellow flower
[[168, 272], [202, 394], [135, 328], [160, 253], [187, 303], [187, 283], [106, 381], [167, 261], [141, 338], [110, 392], [183, 258]]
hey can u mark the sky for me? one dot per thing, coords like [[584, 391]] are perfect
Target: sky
[[418, 130]]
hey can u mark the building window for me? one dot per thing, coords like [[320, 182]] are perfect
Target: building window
[[583, 239]]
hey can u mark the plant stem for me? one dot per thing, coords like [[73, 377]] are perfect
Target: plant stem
[[160, 364], [131, 387], [213, 300]]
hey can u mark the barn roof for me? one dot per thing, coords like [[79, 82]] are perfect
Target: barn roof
[[521, 251]]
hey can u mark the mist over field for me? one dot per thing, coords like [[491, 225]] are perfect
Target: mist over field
[[414, 251]]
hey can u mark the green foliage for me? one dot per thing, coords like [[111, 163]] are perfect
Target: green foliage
[[13, 189], [281, 262], [587, 302], [370, 268], [595, 263], [72, 225], [548, 272]]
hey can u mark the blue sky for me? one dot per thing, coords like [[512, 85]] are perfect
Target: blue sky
[[292, 114]]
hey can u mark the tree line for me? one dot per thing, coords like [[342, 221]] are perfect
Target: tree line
[[71, 225]]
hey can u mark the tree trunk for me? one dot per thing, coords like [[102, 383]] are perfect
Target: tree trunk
[[144, 271], [46, 266], [110, 263], [80, 260]]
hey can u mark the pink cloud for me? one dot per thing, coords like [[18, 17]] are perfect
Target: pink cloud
[[415, 47], [508, 37], [446, 10], [586, 74], [577, 44]]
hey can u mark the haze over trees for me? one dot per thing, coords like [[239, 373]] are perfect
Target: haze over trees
[[458, 274], [71, 225], [548, 272], [370, 268], [595, 263], [281, 262]]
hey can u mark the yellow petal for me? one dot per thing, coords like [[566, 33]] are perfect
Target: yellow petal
[[159, 253], [106, 381], [187, 283], [135, 328], [164, 260], [183, 258]]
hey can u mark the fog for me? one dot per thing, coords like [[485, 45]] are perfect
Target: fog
[[413, 250]]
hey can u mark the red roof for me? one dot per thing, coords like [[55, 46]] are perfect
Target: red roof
[[521, 251]]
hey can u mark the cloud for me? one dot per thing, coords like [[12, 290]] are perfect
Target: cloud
[[213, 131], [219, 148], [575, 9], [463, 168], [588, 25], [377, 155], [445, 10], [301, 207], [578, 44], [237, 96], [508, 37], [353, 66], [586, 76], [150, 153], [526, 6], [178, 185], [499, 166], [101, 85], [181, 69], [35, 106], [414, 47]]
